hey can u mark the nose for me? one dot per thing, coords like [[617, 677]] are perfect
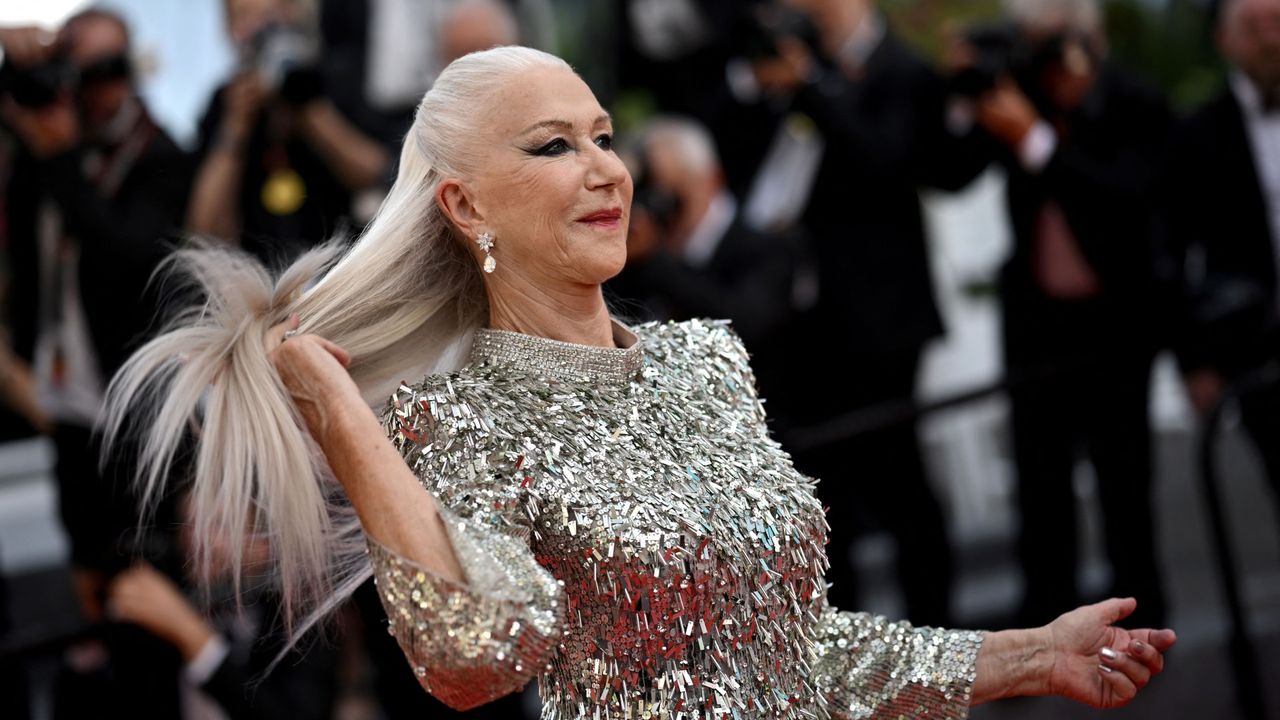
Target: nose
[[607, 169]]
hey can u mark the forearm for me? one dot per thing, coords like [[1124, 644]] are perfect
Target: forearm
[[391, 503], [214, 210], [1013, 663], [357, 161]]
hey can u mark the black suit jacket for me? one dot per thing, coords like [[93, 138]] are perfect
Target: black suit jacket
[[748, 280], [122, 238], [1216, 221], [886, 137], [1104, 174]]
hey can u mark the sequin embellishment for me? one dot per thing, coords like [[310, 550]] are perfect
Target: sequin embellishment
[[634, 539]]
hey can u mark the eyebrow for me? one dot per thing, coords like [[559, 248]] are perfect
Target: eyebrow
[[564, 124]]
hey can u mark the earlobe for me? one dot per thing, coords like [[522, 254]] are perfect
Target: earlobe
[[456, 203]]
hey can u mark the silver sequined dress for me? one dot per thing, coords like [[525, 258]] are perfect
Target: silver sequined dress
[[634, 539]]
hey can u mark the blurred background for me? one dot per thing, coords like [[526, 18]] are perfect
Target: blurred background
[[1007, 268]]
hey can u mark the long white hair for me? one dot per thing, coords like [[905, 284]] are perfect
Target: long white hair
[[403, 301]]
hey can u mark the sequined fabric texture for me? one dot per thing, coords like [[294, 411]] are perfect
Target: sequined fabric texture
[[634, 539]]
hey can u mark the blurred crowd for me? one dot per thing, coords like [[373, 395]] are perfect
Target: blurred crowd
[[777, 184]]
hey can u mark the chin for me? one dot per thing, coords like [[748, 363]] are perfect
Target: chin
[[605, 263]]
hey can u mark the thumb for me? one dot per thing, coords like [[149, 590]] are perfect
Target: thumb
[[1116, 609]]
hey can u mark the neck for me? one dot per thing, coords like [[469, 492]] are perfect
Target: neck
[[574, 314]]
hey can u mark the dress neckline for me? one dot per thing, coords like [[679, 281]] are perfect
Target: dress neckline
[[544, 357]]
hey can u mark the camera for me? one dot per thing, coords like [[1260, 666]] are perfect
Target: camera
[[285, 56], [1003, 50], [762, 26], [660, 204], [38, 86]]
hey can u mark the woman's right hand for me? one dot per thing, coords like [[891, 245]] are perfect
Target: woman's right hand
[[314, 371]]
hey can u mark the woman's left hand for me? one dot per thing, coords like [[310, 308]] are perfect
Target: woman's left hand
[[1098, 664]]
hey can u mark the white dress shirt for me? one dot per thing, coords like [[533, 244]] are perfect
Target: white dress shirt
[[1263, 130], [715, 223]]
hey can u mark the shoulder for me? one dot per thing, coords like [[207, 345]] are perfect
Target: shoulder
[[705, 354], [693, 338]]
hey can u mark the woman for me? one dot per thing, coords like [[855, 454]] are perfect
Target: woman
[[605, 510]]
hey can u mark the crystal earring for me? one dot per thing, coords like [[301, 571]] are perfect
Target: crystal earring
[[485, 241]]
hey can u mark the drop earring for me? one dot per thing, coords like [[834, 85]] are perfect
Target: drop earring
[[485, 241]]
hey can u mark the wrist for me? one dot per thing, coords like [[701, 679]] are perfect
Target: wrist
[[191, 638], [344, 418], [1014, 663]]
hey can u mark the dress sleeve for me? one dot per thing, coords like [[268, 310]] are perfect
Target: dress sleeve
[[869, 668], [475, 641]]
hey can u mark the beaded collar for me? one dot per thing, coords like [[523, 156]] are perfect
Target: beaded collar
[[544, 357]]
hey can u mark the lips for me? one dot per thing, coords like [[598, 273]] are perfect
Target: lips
[[604, 217]]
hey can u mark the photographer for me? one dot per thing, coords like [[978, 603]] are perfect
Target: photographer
[[1083, 144], [882, 115], [278, 164], [98, 189], [1223, 215], [690, 254]]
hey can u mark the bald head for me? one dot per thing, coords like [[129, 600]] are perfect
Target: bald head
[[93, 35], [1249, 36], [475, 25]]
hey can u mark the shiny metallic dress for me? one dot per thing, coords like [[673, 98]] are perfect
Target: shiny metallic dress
[[633, 537]]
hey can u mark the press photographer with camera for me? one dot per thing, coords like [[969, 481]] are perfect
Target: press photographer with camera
[[278, 164], [97, 194], [882, 115], [1083, 145]]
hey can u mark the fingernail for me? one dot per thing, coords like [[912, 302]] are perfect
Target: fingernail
[[1105, 669], [1108, 653], [1136, 648]]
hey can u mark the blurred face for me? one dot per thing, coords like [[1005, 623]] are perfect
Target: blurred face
[[90, 41], [1250, 39], [551, 190]]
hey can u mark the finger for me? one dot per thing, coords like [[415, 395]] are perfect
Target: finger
[[341, 355], [1117, 688], [1147, 655], [276, 333], [1138, 673], [1161, 640], [1116, 609]]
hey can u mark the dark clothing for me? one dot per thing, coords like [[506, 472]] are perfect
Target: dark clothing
[[303, 685], [748, 280], [122, 235], [123, 219], [886, 137], [1094, 407], [1103, 176], [1217, 222], [276, 233], [877, 480], [1216, 219]]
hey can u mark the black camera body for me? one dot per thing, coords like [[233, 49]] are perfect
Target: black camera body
[[1000, 50], [38, 86], [1003, 49], [764, 24], [285, 57]]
